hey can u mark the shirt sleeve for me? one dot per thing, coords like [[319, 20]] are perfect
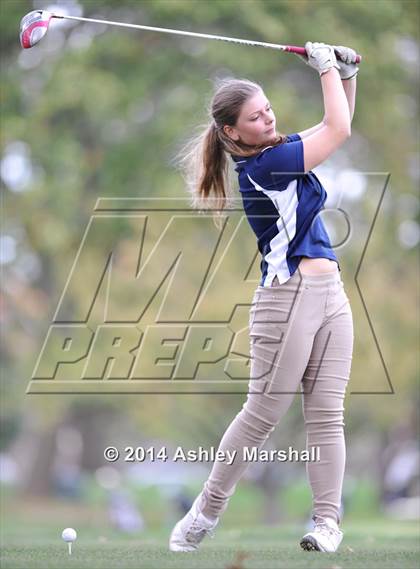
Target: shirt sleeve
[[293, 137], [275, 167]]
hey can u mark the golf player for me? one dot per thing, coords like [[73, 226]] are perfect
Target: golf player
[[300, 325]]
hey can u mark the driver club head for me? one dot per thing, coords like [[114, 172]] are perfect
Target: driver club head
[[33, 27]]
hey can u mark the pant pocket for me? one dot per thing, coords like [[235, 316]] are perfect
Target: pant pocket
[[274, 307]]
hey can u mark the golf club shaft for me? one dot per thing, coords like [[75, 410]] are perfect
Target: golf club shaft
[[289, 48]]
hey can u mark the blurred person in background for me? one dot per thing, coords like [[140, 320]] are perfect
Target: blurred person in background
[[401, 473]]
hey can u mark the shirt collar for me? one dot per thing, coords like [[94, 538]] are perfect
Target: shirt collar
[[236, 158]]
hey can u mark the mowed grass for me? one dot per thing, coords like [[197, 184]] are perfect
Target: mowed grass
[[377, 544]]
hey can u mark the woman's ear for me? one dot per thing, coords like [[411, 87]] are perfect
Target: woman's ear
[[230, 132]]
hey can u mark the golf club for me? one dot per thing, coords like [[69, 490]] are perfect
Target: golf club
[[34, 26]]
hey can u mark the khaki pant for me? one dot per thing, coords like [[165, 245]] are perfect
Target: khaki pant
[[301, 341]]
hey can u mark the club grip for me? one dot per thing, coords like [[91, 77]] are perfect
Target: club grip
[[302, 51]]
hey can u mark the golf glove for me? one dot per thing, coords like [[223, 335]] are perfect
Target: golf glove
[[346, 61], [321, 57]]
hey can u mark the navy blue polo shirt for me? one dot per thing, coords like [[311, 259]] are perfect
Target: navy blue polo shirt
[[281, 203]]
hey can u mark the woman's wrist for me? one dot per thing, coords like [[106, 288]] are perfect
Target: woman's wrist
[[322, 73], [350, 78]]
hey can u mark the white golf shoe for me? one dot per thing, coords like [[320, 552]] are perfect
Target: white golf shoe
[[326, 536], [191, 529]]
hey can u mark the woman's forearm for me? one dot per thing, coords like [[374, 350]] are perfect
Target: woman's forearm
[[336, 108], [349, 86]]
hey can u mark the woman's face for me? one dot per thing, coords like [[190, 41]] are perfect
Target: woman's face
[[256, 123]]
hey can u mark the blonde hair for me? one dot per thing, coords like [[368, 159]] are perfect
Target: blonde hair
[[203, 158]]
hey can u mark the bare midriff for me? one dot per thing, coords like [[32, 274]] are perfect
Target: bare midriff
[[316, 266], [313, 266]]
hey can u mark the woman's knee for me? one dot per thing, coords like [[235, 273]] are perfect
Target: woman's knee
[[260, 417], [324, 419]]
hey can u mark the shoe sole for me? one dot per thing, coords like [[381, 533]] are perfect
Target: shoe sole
[[180, 550], [309, 544]]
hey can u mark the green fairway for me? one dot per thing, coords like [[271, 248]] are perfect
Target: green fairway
[[376, 544]]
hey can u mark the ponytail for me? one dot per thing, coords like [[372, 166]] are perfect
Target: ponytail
[[212, 180], [205, 169]]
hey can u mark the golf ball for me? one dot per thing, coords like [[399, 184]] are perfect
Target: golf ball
[[69, 534]]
